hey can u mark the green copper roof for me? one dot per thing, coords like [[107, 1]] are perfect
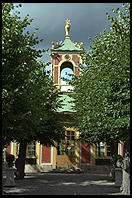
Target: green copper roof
[[67, 103], [67, 45]]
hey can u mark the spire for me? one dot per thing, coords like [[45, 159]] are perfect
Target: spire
[[67, 44], [67, 28]]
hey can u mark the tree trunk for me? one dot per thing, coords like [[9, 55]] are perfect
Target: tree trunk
[[125, 188], [114, 151], [114, 148], [20, 164]]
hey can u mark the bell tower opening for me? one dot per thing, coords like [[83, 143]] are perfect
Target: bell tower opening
[[66, 72], [66, 65]]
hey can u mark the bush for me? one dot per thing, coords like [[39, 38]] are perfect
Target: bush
[[10, 158]]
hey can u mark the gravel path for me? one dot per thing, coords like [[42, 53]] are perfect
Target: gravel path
[[63, 184]]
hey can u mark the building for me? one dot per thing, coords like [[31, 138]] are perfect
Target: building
[[69, 151]]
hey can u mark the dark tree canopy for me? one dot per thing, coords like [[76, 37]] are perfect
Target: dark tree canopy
[[28, 99]]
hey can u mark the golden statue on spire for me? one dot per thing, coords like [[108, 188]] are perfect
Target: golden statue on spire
[[67, 28]]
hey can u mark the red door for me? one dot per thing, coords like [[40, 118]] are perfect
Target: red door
[[46, 154], [85, 152]]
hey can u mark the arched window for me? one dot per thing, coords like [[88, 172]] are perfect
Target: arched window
[[65, 71]]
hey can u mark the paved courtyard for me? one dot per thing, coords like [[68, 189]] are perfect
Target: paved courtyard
[[63, 184]]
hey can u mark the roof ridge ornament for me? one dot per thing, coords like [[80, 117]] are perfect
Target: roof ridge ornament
[[67, 28]]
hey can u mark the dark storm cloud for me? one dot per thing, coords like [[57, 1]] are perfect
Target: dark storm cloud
[[87, 19]]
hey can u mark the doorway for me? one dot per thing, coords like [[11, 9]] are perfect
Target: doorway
[[66, 150]]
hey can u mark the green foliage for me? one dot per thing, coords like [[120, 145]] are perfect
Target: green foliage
[[28, 99], [102, 91]]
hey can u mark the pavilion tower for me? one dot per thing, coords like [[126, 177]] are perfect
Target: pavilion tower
[[66, 54]]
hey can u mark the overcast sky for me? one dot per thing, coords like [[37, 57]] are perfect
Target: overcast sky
[[87, 19]]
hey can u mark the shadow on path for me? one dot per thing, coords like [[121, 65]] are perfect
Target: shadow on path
[[63, 184]]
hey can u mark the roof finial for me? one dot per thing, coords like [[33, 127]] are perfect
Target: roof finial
[[67, 28]]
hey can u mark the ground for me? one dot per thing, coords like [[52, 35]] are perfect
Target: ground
[[63, 184]]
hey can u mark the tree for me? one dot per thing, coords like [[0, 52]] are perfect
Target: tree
[[28, 99], [102, 91]]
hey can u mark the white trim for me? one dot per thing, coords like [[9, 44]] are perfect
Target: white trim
[[11, 148], [90, 154], [119, 148], [46, 163]]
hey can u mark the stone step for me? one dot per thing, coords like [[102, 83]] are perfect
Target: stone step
[[67, 170]]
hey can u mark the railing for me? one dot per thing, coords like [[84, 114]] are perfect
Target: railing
[[66, 88]]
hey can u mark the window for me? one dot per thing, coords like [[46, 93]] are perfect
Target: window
[[108, 151], [31, 149], [103, 150], [61, 147], [67, 145], [100, 149], [70, 143]]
